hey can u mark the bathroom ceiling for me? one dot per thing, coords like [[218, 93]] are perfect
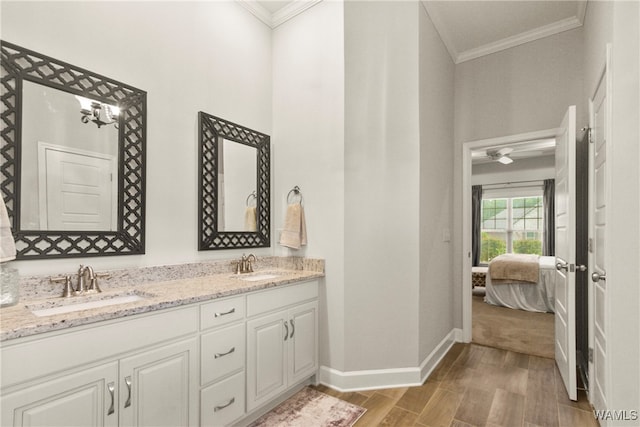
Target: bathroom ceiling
[[469, 28]]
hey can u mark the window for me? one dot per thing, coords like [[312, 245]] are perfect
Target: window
[[511, 225]]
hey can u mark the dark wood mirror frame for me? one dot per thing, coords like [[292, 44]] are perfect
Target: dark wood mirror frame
[[19, 64], [211, 131]]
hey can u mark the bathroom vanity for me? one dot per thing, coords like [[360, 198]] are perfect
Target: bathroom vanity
[[209, 351]]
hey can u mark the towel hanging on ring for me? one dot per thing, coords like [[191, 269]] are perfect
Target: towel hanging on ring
[[294, 232]]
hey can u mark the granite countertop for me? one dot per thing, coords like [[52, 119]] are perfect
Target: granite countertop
[[19, 321]]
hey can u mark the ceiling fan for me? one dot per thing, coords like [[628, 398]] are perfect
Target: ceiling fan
[[500, 155]]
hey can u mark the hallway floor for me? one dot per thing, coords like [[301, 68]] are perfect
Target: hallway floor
[[477, 386]]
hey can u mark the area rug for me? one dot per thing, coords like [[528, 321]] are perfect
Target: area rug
[[311, 408]]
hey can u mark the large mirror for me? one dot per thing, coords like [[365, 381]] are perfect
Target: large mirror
[[73, 158], [234, 165]]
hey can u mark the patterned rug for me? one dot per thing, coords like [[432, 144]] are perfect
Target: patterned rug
[[311, 408]]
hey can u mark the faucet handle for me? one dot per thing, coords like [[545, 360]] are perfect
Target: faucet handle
[[68, 290], [93, 281]]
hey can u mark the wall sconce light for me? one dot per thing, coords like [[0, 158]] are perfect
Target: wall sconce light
[[98, 112]]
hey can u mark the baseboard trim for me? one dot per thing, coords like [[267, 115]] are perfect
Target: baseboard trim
[[388, 378]]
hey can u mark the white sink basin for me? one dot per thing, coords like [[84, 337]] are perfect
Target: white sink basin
[[70, 305], [257, 277]]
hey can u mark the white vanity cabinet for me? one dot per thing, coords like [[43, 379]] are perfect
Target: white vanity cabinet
[[136, 372], [214, 363], [282, 340]]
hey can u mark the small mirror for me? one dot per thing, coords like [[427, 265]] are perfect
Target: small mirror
[[234, 190], [72, 158]]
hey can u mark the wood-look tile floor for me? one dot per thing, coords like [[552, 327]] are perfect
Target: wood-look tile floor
[[477, 386]]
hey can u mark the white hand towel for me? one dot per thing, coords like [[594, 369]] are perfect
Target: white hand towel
[[7, 244], [250, 219], [294, 233]]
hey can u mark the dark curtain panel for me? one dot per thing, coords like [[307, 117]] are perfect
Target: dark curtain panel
[[549, 202], [476, 218]]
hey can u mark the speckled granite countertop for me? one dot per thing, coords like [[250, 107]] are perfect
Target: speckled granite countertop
[[19, 321]]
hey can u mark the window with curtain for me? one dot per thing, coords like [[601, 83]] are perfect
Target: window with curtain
[[511, 225]]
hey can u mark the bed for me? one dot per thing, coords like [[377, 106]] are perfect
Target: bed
[[511, 291]]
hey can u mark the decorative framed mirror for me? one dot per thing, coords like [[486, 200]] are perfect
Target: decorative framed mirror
[[234, 185], [72, 158]]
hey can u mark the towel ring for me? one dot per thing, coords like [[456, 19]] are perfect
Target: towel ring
[[253, 194], [296, 192]]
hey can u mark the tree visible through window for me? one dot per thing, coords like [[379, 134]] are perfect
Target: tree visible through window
[[511, 225]]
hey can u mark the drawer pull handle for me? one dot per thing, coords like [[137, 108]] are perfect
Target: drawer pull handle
[[218, 355], [293, 329], [286, 330], [221, 407], [127, 381], [233, 310], [112, 389]]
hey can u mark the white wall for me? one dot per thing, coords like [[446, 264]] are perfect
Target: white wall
[[523, 89], [436, 68], [308, 140], [188, 56], [382, 184]]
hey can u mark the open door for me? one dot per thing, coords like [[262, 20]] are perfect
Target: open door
[[565, 297]]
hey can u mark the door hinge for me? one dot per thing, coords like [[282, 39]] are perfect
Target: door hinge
[[590, 245], [572, 268], [590, 355]]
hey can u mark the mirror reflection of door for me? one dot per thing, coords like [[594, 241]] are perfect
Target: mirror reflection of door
[[54, 116], [77, 189]]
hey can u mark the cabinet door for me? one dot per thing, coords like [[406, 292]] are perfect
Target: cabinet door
[[267, 339], [83, 399], [303, 341], [160, 387]]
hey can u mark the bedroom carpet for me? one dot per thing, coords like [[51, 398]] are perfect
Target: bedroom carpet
[[309, 407], [515, 330]]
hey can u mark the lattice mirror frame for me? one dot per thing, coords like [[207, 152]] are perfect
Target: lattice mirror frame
[[211, 130], [19, 64]]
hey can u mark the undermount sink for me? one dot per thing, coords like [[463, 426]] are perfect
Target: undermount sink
[[257, 276], [72, 304]]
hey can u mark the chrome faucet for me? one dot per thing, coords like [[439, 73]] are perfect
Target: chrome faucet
[[244, 264], [87, 282]]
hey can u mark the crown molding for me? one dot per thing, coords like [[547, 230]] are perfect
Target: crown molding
[[257, 10], [519, 39], [528, 36], [291, 10]]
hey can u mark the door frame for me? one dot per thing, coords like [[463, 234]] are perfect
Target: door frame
[[465, 256]]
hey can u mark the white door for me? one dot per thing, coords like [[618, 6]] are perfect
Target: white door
[[78, 190], [565, 298], [599, 123]]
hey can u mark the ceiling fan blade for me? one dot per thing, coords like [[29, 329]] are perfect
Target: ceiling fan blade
[[504, 151], [505, 160]]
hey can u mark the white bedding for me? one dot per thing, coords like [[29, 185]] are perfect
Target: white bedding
[[526, 296]]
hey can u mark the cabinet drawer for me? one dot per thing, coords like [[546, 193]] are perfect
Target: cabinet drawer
[[221, 312], [223, 402], [222, 352], [273, 299]]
